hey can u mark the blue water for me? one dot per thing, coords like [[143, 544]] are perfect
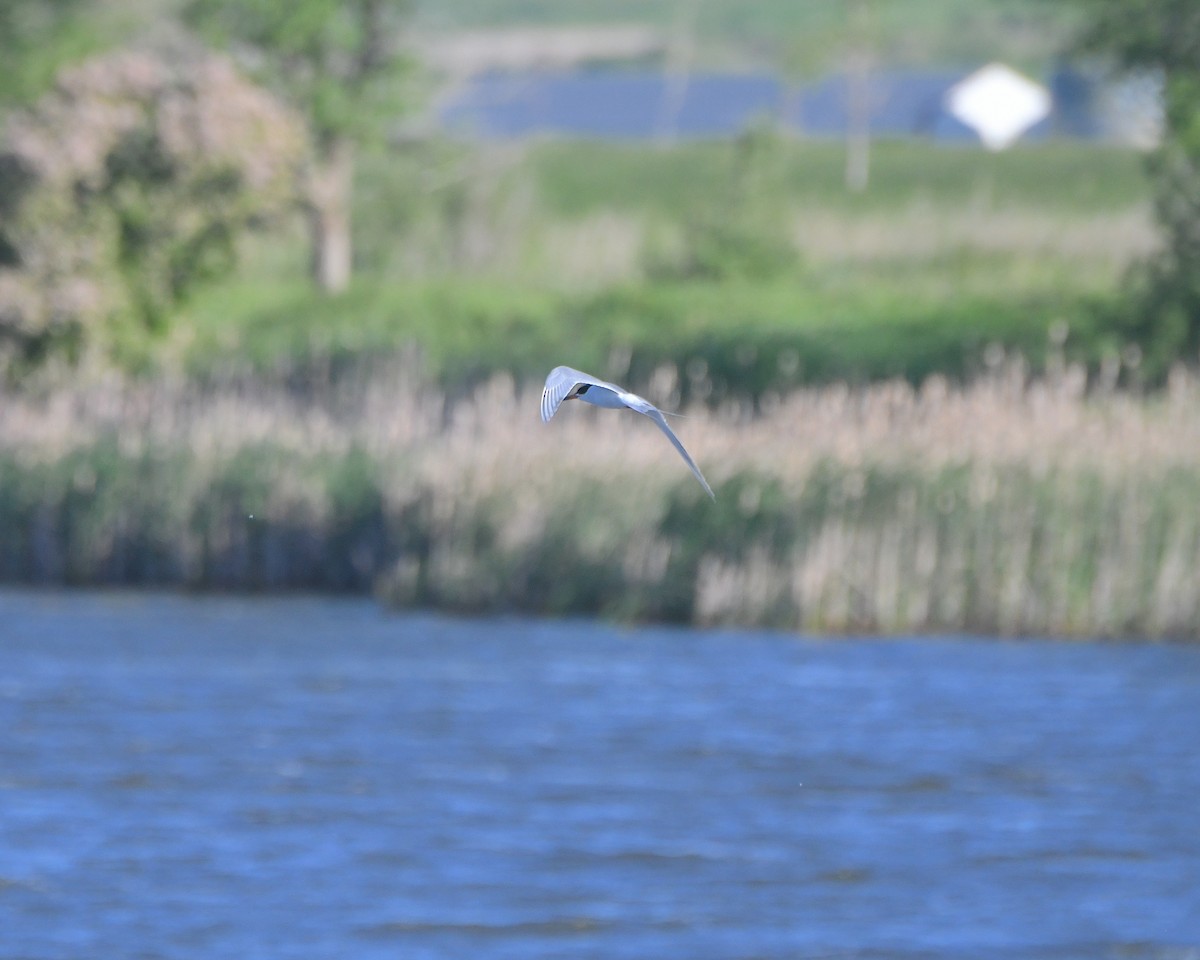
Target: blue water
[[217, 778]]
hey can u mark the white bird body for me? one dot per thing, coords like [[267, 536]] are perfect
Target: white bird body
[[567, 383]]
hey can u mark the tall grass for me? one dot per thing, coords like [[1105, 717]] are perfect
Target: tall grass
[[1010, 506]]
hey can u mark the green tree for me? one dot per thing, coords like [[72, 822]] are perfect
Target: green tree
[[123, 188], [39, 38], [338, 63], [1162, 37], [36, 38]]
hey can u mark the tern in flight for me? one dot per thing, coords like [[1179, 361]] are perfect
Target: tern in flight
[[565, 383]]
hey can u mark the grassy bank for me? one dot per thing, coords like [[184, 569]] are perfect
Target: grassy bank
[[1007, 506], [733, 337]]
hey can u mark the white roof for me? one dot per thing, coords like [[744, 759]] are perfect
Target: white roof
[[999, 104]]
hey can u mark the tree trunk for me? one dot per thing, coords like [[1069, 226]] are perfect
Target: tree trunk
[[858, 100], [678, 69], [329, 216]]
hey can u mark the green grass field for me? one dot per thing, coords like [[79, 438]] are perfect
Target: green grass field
[[1065, 178], [623, 258]]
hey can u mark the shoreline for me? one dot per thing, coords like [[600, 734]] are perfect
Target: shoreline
[[117, 594], [1007, 508]]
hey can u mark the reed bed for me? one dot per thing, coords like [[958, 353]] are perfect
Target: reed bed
[[1009, 506]]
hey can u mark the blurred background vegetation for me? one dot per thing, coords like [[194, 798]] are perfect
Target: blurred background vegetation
[[124, 241], [256, 197]]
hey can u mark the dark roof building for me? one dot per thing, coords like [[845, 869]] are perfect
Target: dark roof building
[[618, 105]]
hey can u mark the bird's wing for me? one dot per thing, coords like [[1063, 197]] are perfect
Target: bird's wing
[[643, 406], [560, 383]]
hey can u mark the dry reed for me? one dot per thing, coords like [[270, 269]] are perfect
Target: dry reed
[[1007, 506], [923, 232]]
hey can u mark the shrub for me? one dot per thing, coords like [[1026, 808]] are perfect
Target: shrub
[[127, 185]]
